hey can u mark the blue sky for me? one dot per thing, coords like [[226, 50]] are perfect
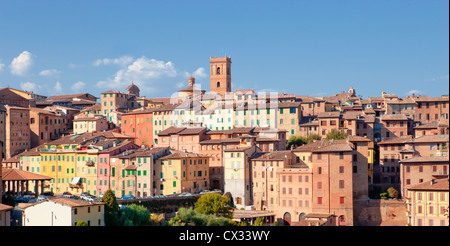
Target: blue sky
[[307, 47]]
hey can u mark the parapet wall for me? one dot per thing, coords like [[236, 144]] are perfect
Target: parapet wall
[[373, 212]]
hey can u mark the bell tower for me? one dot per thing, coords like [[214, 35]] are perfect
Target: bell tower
[[220, 76]]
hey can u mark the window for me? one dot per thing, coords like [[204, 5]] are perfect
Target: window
[[319, 200]]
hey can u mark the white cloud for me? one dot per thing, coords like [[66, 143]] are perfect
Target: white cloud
[[200, 73], [49, 72], [123, 61], [143, 72], [78, 86], [2, 66], [22, 63], [58, 87], [29, 86]]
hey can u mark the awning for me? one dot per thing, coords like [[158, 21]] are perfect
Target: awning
[[75, 180]]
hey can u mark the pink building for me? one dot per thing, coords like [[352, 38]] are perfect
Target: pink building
[[104, 167]]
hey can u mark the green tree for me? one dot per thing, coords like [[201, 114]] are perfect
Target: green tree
[[295, 141], [216, 204], [392, 192], [134, 215], [111, 208], [191, 217], [258, 222], [300, 140], [81, 223], [336, 135]]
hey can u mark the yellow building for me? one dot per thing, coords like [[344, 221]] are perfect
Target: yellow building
[[370, 161], [428, 203], [181, 172], [57, 160]]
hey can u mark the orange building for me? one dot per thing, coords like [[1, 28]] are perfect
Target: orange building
[[139, 124]]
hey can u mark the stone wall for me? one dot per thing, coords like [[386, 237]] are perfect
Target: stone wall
[[372, 212]]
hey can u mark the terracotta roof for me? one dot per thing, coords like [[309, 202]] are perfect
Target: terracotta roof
[[12, 174], [73, 202], [245, 91], [7, 93], [430, 139], [336, 145], [394, 117], [325, 146], [68, 96], [430, 159], [358, 139], [436, 184], [191, 89], [289, 105], [171, 130], [401, 101], [182, 154], [397, 140], [4, 207], [192, 131], [430, 125], [90, 118], [274, 155], [431, 99], [334, 114]]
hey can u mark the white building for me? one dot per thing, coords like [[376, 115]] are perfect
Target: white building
[[63, 212]]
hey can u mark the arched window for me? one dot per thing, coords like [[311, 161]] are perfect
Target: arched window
[[218, 70], [218, 84], [287, 218]]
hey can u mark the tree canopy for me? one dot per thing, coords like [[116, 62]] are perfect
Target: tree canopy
[[111, 208], [335, 134], [216, 204], [301, 140], [191, 217], [134, 215]]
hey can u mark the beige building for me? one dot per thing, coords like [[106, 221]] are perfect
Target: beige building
[[95, 123], [180, 172], [63, 212], [428, 203], [237, 173]]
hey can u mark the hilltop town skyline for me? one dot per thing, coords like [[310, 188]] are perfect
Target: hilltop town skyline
[[316, 48], [238, 113]]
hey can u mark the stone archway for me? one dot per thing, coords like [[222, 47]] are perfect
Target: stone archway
[[287, 219], [301, 216]]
